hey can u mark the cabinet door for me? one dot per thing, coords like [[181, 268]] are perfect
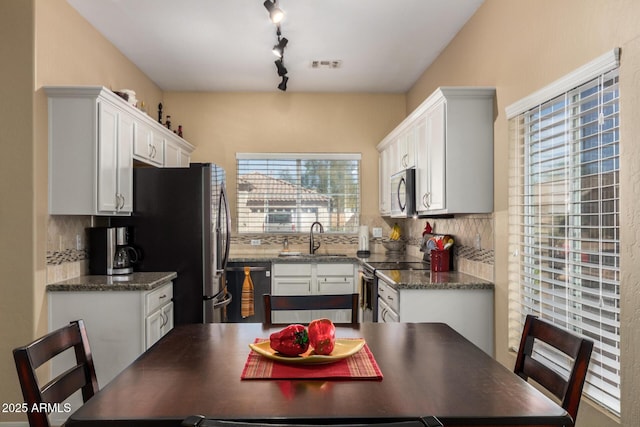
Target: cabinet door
[[384, 188], [171, 155], [431, 152], [291, 316], [336, 316], [405, 150], [153, 328], [167, 312], [157, 148], [148, 146], [107, 157], [125, 163]]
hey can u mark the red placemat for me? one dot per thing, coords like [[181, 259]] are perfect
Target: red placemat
[[360, 366]]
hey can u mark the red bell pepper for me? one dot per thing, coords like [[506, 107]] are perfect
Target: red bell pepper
[[290, 341], [322, 336]]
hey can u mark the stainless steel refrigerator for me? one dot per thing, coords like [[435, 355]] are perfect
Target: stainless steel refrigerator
[[181, 223]]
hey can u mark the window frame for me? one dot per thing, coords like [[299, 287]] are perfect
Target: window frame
[[302, 216], [595, 387]]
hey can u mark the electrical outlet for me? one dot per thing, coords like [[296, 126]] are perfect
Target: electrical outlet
[[376, 231], [79, 242], [255, 242]]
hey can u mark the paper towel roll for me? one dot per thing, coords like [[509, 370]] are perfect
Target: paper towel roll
[[363, 238]]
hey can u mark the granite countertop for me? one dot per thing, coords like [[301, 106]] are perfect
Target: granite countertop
[[426, 279], [139, 281], [399, 279]]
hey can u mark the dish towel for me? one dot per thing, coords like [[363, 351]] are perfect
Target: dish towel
[[247, 305]]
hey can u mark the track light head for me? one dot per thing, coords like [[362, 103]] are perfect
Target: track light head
[[275, 13], [278, 50], [281, 68], [283, 84]]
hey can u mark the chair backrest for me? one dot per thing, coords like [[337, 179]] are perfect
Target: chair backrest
[[310, 302], [567, 390], [81, 376]]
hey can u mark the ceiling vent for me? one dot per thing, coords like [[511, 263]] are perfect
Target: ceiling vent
[[326, 64]]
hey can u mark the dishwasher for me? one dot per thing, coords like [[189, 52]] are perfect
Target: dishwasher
[[234, 277]]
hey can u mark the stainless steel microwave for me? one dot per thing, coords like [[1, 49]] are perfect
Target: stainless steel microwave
[[403, 194]]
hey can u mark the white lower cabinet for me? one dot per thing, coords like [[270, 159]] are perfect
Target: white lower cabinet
[[121, 325], [312, 279], [468, 311]]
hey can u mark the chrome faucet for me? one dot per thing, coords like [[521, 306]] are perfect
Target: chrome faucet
[[312, 244]]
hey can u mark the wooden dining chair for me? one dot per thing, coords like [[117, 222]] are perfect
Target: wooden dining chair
[[567, 390], [81, 376], [310, 302]]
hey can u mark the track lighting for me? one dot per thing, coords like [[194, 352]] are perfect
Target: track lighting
[[282, 70], [278, 50], [283, 84], [275, 13]]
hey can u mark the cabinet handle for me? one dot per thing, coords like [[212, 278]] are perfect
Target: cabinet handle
[[405, 161], [389, 297], [164, 318], [425, 199], [163, 296], [119, 201]]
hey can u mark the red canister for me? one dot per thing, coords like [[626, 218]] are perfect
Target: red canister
[[440, 260]]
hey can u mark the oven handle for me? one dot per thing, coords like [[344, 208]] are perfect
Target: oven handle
[[366, 278]]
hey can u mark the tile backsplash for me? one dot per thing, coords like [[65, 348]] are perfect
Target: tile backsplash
[[67, 249]]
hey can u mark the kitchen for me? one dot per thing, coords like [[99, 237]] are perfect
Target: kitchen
[[482, 54]]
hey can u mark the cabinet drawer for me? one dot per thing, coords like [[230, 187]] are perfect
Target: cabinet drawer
[[158, 297], [291, 286], [389, 295], [291, 269], [335, 270], [335, 285]]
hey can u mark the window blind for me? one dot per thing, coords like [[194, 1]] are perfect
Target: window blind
[[564, 225], [287, 192]]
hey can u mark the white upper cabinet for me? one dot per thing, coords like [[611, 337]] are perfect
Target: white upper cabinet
[[94, 137], [452, 137], [384, 171], [90, 164], [177, 154]]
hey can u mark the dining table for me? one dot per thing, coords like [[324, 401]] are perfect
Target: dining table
[[414, 370]]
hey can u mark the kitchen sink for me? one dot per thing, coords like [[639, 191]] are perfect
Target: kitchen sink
[[301, 255]]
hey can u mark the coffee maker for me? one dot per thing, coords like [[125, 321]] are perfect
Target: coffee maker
[[110, 252]]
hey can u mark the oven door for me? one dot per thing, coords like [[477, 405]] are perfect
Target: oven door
[[368, 295]]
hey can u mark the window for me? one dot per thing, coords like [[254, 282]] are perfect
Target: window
[[286, 192], [564, 220]]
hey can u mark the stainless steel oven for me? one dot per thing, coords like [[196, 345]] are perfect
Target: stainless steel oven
[[368, 294]]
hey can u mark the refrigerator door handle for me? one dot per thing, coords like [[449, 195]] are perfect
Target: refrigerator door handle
[[224, 203]]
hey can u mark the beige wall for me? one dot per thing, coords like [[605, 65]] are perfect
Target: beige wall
[[17, 257], [222, 124], [43, 42], [519, 47]]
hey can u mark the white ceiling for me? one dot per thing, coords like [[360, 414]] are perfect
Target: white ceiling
[[225, 45]]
